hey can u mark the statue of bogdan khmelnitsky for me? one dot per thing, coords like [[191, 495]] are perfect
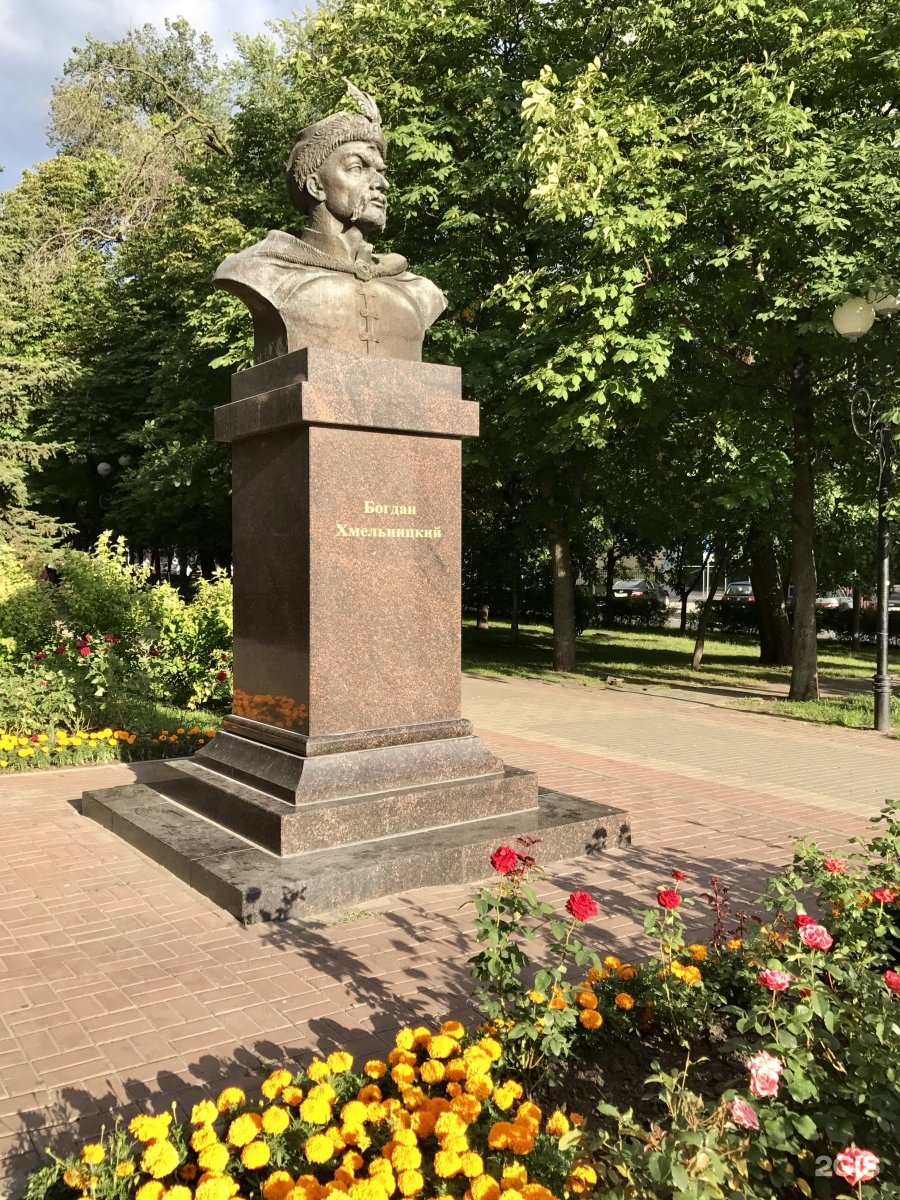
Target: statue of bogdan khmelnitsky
[[327, 287]]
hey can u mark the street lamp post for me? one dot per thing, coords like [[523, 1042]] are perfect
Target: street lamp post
[[852, 319]]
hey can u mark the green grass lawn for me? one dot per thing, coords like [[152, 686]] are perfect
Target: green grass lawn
[[662, 659]]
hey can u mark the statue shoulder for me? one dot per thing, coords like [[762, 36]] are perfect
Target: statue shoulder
[[261, 267], [428, 297]]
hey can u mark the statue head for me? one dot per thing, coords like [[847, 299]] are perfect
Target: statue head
[[338, 163]]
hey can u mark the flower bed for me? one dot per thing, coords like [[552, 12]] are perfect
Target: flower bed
[[772, 1048], [67, 748]]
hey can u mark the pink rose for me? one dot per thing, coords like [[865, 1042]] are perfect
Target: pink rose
[[775, 981], [668, 898], [765, 1071], [837, 866], [816, 937], [802, 919], [84, 651], [883, 895], [856, 1165], [892, 979], [504, 859], [582, 906], [743, 1114]]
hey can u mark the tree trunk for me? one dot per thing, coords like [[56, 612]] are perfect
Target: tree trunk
[[768, 589], [609, 609], [706, 611], [855, 619], [563, 598], [804, 672], [484, 616]]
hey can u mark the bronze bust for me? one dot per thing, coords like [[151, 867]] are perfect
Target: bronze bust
[[328, 287]]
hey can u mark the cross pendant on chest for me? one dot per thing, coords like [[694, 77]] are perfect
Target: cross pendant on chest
[[369, 316]]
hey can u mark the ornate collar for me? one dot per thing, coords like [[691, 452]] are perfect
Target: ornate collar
[[301, 252]]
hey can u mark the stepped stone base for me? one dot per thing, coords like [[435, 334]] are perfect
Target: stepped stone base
[[276, 863]]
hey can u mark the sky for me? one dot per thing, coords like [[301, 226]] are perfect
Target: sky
[[37, 36]]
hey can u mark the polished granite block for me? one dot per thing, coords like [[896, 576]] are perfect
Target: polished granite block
[[258, 886]]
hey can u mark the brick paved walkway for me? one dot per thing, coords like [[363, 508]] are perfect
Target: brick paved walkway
[[118, 984]]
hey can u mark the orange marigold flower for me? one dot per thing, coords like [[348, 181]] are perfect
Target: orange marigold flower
[[624, 1001], [124, 1169], [626, 972], [406, 1158], [557, 1124], [589, 1018], [734, 944], [375, 1068], [403, 1073], [691, 975], [277, 1185], [479, 1086], [558, 1001], [179, 1192], [582, 1178], [432, 1071], [292, 1095], [405, 1039], [697, 951], [216, 1187], [485, 1187], [612, 963], [585, 999], [150, 1129]]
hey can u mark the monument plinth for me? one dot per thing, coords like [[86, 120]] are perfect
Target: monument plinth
[[346, 769]]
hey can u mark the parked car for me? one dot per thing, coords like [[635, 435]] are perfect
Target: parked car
[[894, 598], [838, 598], [638, 589], [739, 592]]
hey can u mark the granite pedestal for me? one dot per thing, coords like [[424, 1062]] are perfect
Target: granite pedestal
[[345, 770]]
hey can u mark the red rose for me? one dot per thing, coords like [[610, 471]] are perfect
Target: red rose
[[668, 898], [61, 649], [816, 937], [892, 979], [679, 876], [856, 1165], [504, 859], [111, 638], [153, 652], [775, 981], [802, 919], [221, 676], [84, 651], [883, 895], [34, 738], [837, 866], [582, 906], [40, 657]]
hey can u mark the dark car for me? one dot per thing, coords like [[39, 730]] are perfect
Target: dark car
[[639, 589], [739, 592]]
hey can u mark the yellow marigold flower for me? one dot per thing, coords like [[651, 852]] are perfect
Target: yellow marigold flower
[[339, 1062], [150, 1129], [376, 1112], [92, 1154], [691, 975], [454, 1029], [537, 997], [697, 951], [179, 1192], [432, 1071], [514, 1175], [557, 1124], [410, 1183], [160, 1159], [352, 1162], [403, 1073], [272, 1086], [537, 1191], [421, 1035], [442, 1046], [243, 1129], [734, 944], [255, 1155], [335, 1134], [590, 1018], [75, 1177], [275, 1119], [585, 999], [485, 1187], [406, 1158], [203, 1137], [558, 1000], [582, 1178], [511, 1194], [472, 1164], [315, 1112], [292, 1095], [214, 1157], [447, 1163], [479, 1086], [624, 1001], [125, 1169], [449, 1124], [216, 1187], [231, 1097], [491, 1048], [318, 1070], [153, 1190], [353, 1112], [456, 1070], [277, 1185], [319, 1148], [204, 1113], [306, 1188], [612, 963], [375, 1068], [504, 1097], [405, 1039]]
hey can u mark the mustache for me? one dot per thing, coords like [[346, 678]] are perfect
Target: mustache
[[363, 203]]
